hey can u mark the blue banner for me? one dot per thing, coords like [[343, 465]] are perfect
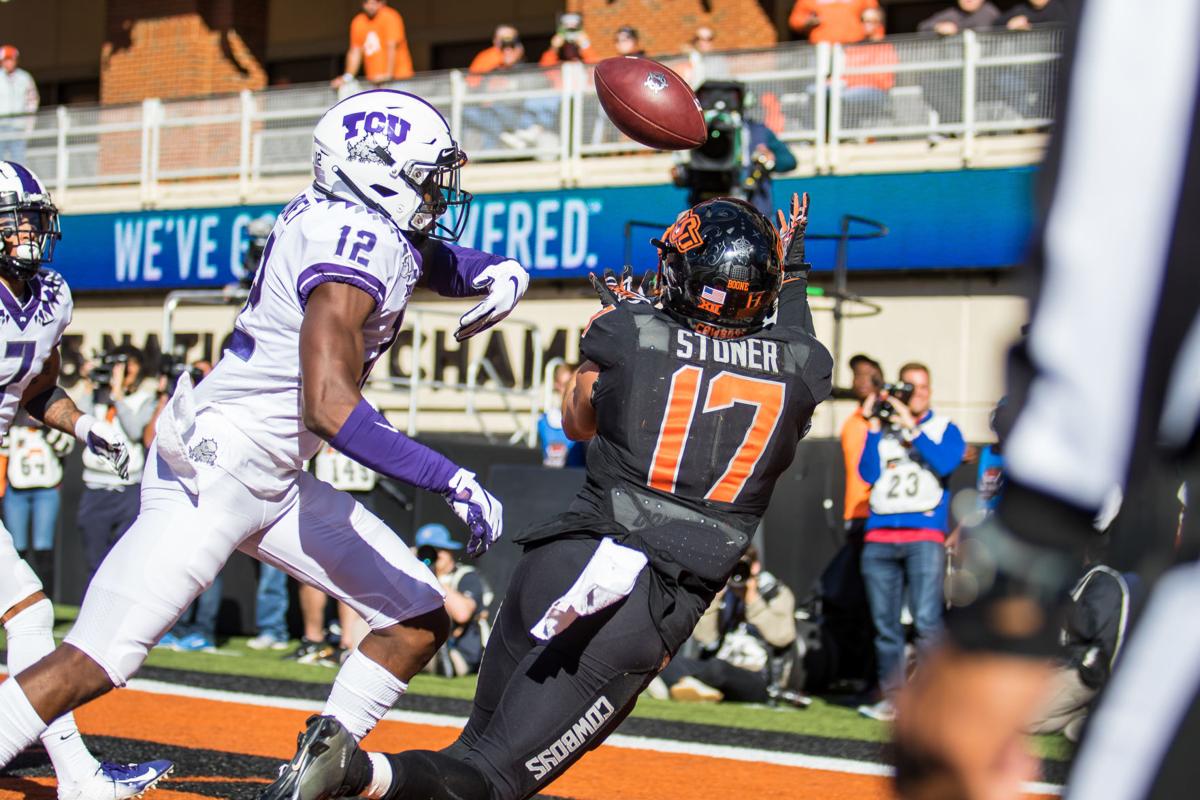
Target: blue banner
[[936, 220]]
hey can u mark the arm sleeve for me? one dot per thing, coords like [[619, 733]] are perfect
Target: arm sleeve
[[449, 269], [869, 467], [799, 14], [358, 31], [941, 16], [794, 311], [549, 58], [944, 456], [403, 66], [775, 618]]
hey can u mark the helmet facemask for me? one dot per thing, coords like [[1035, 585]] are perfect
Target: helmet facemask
[[30, 230], [437, 186]]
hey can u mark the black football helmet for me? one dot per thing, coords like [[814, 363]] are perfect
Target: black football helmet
[[720, 267]]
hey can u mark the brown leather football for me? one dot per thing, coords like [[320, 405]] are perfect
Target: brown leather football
[[649, 103]]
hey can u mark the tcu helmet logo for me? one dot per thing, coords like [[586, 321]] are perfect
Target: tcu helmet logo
[[371, 122], [656, 82]]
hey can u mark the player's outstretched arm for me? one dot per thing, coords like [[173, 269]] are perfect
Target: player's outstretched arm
[[578, 413], [455, 271], [331, 366], [794, 310], [46, 402]]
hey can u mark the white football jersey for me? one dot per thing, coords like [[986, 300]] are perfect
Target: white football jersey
[[316, 239], [29, 332]]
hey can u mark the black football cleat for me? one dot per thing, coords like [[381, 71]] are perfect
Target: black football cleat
[[321, 766]]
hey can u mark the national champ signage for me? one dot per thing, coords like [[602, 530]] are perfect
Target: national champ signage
[[937, 220]]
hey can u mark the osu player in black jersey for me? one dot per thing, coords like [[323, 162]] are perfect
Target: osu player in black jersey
[[693, 406]]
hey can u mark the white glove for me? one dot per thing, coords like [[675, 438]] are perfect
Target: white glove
[[506, 283], [105, 441], [482, 513]]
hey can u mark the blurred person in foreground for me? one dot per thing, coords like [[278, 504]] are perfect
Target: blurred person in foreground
[[959, 729], [605, 594], [467, 599], [18, 95], [378, 44], [908, 457], [745, 637], [834, 21]]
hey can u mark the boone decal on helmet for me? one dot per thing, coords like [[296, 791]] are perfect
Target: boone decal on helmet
[[392, 152], [720, 268], [27, 218]]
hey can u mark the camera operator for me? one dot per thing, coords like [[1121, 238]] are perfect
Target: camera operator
[[908, 457], [116, 391], [740, 155], [467, 600], [745, 636], [569, 43]]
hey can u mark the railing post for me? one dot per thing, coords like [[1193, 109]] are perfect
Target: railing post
[[577, 124], [697, 62], [970, 76], [61, 156], [245, 134], [458, 90], [831, 62], [151, 107], [568, 93]]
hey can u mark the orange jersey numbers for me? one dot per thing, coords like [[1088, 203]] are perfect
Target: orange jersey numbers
[[724, 391]]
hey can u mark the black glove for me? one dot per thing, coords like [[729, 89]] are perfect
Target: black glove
[[613, 288]]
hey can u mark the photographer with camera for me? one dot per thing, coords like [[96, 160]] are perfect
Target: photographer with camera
[[908, 457], [118, 392], [569, 43], [467, 600], [738, 158], [746, 637]]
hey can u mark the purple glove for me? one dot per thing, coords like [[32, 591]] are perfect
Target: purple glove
[[482, 513]]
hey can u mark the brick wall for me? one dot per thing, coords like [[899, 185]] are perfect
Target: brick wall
[[666, 26], [182, 48]]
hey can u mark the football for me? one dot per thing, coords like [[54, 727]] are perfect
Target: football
[[649, 103]]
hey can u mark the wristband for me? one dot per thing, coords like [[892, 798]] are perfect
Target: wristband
[[368, 438], [83, 426]]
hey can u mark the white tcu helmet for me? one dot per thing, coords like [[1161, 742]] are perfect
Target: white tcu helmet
[[392, 152], [28, 222]]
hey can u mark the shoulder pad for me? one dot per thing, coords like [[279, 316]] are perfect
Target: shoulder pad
[[324, 223]]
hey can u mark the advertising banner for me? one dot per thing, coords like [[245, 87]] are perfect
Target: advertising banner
[[936, 220]]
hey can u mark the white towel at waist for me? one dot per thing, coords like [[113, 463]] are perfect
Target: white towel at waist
[[607, 578]]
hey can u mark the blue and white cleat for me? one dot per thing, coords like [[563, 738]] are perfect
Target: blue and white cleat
[[118, 781]]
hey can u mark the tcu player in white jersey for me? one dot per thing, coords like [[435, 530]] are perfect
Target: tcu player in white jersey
[[35, 309], [225, 472]]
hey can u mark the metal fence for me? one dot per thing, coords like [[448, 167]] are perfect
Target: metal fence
[[820, 96]]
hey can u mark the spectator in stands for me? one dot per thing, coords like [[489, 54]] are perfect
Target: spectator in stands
[[569, 43], [557, 449], [1035, 12], [628, 43], [868, 379], [467, 599], [749, 626], [117, 391], [865, 94], [834, 21], [378, 44], [31, 503], [971, 15], [907, 458], [506, 52], [18, 95], [703, 40]]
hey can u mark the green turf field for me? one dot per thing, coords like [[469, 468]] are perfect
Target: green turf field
[[822, 718]]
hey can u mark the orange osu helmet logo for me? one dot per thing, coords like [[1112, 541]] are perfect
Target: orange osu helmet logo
[[684, 235]]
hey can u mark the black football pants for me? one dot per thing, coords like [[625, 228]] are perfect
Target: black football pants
[[540, 706]]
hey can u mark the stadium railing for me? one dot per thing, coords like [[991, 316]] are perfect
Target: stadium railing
[[904, 88]]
